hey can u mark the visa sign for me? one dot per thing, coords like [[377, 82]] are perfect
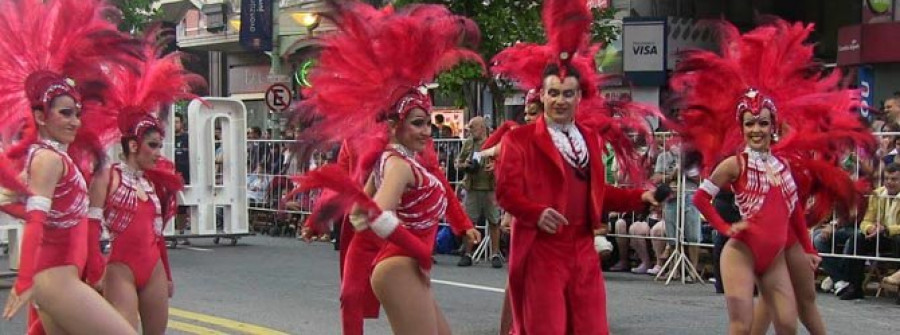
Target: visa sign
[[648, 48], [646, 39]]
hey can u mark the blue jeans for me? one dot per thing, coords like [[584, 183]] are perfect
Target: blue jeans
[[832, 265], [692, 231]]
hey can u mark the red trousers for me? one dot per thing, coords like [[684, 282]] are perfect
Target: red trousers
[[564, 289]]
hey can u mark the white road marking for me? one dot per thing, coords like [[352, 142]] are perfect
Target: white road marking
[[471, 286], [198, 249]]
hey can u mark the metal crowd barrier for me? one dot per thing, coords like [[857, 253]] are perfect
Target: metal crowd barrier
[[270, 165]]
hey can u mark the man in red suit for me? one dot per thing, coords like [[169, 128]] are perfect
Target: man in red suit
[[551, 178]]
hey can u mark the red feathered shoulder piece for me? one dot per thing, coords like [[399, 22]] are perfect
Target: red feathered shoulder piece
[[498, 134], [166, 183]]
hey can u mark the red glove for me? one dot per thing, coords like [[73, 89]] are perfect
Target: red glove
[[96, 264], [703, 202], [35, 217]]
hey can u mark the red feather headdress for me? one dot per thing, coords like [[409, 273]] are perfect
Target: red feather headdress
[[138, 100], [136, 104], [372, 68], [776, 63], [771, 66], [44, 44], [567, 23]]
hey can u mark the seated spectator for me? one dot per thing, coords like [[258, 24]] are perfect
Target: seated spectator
[[831, 238], [878, 232], [637, 225], [257, 189]]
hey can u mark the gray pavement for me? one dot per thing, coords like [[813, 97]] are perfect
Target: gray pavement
[[291, 286]]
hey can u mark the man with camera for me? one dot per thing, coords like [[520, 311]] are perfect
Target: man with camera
[[479, 186]]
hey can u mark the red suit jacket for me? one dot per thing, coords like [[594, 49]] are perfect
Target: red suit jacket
[[530, 178]]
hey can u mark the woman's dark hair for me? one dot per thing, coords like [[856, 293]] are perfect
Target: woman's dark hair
[[127, 139]]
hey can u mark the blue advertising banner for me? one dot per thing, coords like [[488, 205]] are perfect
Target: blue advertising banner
[[866, 79], [256, 25]]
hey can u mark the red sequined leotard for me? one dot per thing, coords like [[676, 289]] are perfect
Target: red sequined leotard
[[64, 237], [421, 206], [135, 225]]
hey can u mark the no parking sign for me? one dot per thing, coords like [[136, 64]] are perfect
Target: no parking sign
[[278, 97]]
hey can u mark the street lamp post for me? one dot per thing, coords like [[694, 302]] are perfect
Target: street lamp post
[[275, 55]]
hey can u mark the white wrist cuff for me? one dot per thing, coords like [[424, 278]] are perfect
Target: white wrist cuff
[[385, 224], [95, 213], [709, 187], [37, 203]]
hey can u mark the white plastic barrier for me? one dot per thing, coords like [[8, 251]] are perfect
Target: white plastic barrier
[[203, 195]]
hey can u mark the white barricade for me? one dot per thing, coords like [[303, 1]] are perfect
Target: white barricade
[[203, 195]]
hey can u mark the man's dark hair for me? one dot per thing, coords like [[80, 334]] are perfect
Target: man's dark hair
[[439, 118], [892, 168], [256, 131], [554, 69]]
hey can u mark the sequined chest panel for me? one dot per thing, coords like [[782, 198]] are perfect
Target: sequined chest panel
[[70, 198], [422, 205], [121, 203], [760, 172]]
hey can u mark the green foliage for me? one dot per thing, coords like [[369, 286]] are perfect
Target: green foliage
[[136, 14]]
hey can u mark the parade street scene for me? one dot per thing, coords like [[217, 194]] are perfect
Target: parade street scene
[[436, 167]]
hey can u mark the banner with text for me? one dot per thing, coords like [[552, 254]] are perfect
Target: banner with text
[[256, 25], [644, 44]]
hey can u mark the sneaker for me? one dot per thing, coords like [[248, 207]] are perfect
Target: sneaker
[[852, 293], [465, 260], [619, 267], [840, 286], [496, 262], [641, 269], [827, 284], [655, 270]]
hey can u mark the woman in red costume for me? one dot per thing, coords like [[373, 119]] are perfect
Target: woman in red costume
[[366, 93], [45, 44], [749, 129], [359, 249], [818, 175], [135, 198]]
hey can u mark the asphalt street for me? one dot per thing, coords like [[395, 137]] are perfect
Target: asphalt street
[[267, 285]]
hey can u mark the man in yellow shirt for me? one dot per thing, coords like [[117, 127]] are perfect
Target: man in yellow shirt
[[879, 232]]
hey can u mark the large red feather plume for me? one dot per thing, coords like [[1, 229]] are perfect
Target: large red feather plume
[[815, 115], [375, 58], [567, 23], [70, 38]]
